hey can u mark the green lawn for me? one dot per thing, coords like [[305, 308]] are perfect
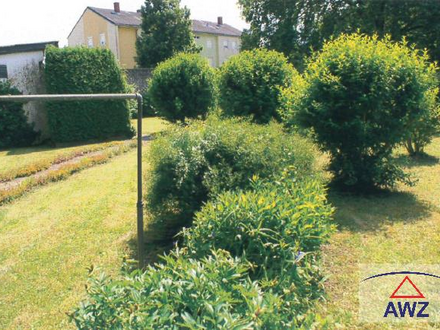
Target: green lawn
[[52, 235], [21, 157], [151, 125], [401, 227]]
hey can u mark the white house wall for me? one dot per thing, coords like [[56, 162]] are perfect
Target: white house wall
[[225, 53], [25, 73]]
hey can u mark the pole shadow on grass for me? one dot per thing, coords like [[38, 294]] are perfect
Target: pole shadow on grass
[[153, 250], [371, 213], [158, 241]]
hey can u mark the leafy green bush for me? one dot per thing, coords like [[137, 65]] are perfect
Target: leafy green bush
[[15, 131], [249, 84], [269, 226], [189, 164], [182, 87], [212, 293], [86, 71], [422, 129], [359, 96]]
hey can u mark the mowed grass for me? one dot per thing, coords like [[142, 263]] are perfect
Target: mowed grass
[[21, 157], [51, 236], [396, 228]]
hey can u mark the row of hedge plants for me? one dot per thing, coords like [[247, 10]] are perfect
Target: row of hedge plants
[[249, 84], [248, 262], [360, 97], [190, 164]]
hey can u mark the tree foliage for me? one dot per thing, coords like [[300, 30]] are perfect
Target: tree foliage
[[294, 27], [166, 30]]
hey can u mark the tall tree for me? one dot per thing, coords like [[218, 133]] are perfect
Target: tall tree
[[166, 30], [292, 27], [295, 27]]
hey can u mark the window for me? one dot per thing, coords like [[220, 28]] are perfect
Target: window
[[101, 39], [196, 37], [209, 44], [3, 72], [90, 42], [225, 44], [234, 45]]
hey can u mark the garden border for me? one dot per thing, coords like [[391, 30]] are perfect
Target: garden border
[[88, 97]]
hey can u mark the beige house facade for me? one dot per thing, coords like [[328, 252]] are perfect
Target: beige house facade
[[118, 30]]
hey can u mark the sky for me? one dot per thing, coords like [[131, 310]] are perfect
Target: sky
[[29, 21]]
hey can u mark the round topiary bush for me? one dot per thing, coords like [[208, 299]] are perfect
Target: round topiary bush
[[359, 96], [249, 84], [15, 131], [182, 87], [190, 164]]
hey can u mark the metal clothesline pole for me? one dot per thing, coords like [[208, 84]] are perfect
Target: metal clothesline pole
[[89, 97]]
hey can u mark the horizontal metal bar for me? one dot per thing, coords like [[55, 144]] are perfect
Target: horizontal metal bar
[[71, 97]]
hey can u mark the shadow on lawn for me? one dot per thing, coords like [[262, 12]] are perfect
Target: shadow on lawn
[[417, 161], [153, 250], [370, 213]]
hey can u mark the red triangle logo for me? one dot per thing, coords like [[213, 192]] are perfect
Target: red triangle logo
[[407, 279]]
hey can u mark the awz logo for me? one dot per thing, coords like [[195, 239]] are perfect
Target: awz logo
[[406, 308], [407, 301]]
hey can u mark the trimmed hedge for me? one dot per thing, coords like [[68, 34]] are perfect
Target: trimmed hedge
[[15, 131], [86, 71], [250, 83], [182, 87], [190, 164]]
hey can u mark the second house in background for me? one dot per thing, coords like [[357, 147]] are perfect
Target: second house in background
[[117, 30]]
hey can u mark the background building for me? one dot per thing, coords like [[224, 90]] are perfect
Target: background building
[[117, 30], [22, 65]]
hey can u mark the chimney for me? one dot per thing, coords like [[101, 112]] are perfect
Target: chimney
[[117, 7], [220, 20]]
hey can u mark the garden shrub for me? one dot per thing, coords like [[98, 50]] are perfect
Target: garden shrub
[[183, 293], [271, 226], [15, 131], [421, 130], [249, 84], [83, 70], [190, 164], [182, 87], [359, 96]]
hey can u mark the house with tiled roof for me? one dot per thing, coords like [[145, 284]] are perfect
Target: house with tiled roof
[[118, 30]]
